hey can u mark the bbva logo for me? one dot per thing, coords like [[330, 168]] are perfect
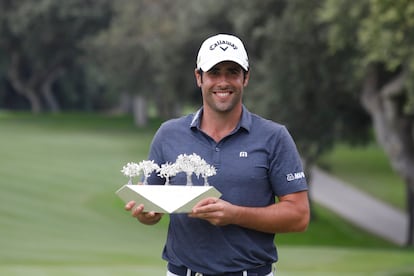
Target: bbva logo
[[296, 175]]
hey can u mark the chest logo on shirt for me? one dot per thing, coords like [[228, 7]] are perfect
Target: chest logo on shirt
[[243, 154], [296, 175]]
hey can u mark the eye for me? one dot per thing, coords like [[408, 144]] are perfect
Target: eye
[[214, 71]]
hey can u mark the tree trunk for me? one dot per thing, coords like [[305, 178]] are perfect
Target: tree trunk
[[167, 105], [35, 101], [21, 87], [47, 92], [410, 208], [28, 93], [139, 110], [393, 129], [308, 173], [308, 164]]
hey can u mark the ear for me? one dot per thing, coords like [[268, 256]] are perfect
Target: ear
[[246, 79], [199, 78]]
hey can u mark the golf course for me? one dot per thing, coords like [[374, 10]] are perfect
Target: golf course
[[59, 214]]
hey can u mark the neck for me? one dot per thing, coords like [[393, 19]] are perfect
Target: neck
[[218, 125]]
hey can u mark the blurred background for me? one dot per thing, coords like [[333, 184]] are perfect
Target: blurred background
[[85, 84]]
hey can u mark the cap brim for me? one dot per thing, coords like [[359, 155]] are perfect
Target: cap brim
[[210, 63]]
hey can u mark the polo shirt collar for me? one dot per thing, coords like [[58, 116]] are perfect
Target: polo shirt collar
[[245, 122]]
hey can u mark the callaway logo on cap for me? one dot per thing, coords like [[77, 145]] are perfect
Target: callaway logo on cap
[[222, 47]]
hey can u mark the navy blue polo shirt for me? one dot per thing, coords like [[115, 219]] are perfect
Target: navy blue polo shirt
[[255, 163]]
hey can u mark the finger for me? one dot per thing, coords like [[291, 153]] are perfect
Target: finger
[[137, 211], [150, 214], [207, 210], [205, 202], [151, 218], [203, 215], [129, 205]]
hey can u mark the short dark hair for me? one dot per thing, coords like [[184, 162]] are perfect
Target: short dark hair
[[200, 71]]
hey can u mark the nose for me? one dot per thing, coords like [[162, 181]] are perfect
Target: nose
[[223, 80]]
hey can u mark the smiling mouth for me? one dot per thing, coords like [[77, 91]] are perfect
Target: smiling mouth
[[222, 94]]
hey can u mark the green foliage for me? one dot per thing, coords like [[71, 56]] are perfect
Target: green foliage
[[296, 47], [296, 81], [387, 33], [158, 52], [379, 32], [42, 41]]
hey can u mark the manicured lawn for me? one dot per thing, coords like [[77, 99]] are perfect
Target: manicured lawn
[[327, 261], [59, 214], [368, 169], [297, 261]]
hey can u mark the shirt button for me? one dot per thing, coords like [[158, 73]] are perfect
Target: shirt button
[[217, 149]]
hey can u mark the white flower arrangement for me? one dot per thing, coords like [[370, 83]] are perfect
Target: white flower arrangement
[[188, 164]]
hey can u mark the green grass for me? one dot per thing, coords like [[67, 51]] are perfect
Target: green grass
[[327, 229], [59, 214], [367, 168], [57, 201]]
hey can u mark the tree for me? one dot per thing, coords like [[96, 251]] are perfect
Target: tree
[[296, 81], [149, 51], [299, 84], [380, 33], [42, 39], [142, 48], [321, 67]]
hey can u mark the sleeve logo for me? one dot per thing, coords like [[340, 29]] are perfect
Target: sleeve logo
[[294, 176]]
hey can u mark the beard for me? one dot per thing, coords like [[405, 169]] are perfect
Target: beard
[[222, 104]]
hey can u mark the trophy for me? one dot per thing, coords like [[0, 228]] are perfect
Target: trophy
[[168, 198]]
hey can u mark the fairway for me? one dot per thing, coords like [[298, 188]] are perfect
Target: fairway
[[296, 261], [59, 214], [57, 201]]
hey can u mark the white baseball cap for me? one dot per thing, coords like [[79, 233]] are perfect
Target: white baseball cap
[[222, 47]]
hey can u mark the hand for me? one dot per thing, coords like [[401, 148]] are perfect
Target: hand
[[216, 211], [148, 218]]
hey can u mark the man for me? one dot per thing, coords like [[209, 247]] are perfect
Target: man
[[256, 161]]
